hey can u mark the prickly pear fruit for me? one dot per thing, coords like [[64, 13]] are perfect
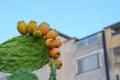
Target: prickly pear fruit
[[57, 43], [21, 27], [32, 25], [58, 64], [54, 53], [52, 34], [37, 33], [44, 28], [50, 43]]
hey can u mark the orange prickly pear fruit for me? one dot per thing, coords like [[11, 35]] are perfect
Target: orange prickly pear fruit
[[32, 25], [52, 34], [54, 53], [50, 43], [58, 64], [57, 43], [21, 27], [44, 28]]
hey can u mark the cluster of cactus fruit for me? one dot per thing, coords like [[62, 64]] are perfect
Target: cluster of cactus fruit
[[43, 30], [37, 46]]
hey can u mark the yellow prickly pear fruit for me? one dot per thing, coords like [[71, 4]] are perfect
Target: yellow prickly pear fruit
[[32, 25], [52, 34], [44, 28], [58, 64], [21, 27]]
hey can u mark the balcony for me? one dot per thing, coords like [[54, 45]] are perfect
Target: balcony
[[115, 29]]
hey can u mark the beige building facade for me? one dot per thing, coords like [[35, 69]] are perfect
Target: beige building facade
[[89, 58], [112, 35]]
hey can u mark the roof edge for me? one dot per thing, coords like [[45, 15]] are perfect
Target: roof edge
[[112, 25]]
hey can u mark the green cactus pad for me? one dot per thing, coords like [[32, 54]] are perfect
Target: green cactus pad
[[22, 75], [23, 52]]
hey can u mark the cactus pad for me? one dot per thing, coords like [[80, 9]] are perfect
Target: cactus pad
[[22, 75], [23, 52]]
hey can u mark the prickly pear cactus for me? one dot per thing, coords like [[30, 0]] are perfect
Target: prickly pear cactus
[[30, 51], [23, 52], [22, 75]]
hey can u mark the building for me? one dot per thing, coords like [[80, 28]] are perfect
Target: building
[[89, 58], [112, 37]]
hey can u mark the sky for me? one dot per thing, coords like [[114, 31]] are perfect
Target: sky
[[74, 18]]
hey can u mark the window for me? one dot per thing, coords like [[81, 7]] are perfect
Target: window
[[88, 63], [82, 44], [93, 40], [118, 77], [88, 41]]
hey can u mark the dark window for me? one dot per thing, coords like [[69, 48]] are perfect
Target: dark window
[[88, 63], [118, 77]]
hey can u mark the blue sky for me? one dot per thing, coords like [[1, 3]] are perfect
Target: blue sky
[[75, 18]]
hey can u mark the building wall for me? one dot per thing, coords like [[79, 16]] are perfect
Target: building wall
[[111, 40], [67, 72], [92, 49], [112, 43]]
